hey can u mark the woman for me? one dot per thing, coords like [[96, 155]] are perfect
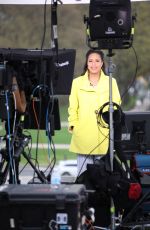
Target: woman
[[89, 92]]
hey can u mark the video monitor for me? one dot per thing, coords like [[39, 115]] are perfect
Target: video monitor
[[33, 67], [136, 132]]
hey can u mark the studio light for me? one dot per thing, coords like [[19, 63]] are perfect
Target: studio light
[[110, 23]]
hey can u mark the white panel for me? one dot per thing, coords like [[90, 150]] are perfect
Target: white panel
[[33, 2]]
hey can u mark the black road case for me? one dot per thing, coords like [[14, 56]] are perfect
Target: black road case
[[42, 206]]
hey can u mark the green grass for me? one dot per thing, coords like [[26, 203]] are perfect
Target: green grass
[[60, 137], [63, 112], [43, 158]]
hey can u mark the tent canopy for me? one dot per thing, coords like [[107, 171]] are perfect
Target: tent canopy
[[41, 2]]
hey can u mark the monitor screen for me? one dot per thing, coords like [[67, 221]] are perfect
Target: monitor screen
[[136, 132], [33, 67]]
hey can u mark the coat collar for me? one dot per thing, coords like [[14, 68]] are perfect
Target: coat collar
[[85, 84]]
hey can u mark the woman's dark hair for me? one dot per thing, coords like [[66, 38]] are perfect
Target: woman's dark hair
[[100, 53]]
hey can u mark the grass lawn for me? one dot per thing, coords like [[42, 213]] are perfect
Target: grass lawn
[[60, 137], [43, 157]]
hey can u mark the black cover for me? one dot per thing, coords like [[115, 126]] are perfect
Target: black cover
[[39, 206], [35, 66], [135, 133], [42, 106]]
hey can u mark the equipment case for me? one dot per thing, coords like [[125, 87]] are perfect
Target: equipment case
[[142, 162], [41, 206]]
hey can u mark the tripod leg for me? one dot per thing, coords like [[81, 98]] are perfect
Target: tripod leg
[[40, 175], [4, 172], [16, 167]]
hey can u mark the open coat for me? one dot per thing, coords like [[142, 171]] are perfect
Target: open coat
[[84, 101]]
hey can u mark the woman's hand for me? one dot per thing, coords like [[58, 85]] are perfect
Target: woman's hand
[[70, 129]]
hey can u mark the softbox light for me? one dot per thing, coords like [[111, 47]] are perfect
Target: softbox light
[[110, 22]]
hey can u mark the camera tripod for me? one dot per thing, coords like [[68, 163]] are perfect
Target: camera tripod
[[15, 142]]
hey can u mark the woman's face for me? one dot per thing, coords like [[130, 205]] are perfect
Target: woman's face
[[94, 63]]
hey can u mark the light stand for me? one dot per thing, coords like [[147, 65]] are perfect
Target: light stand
[[54, 35], [111, 109], [111, 130], [109, 27]]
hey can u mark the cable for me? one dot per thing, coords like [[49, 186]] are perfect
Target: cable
[[15, 114], [50, 140], [135, 74], [103, 122], [29, 150], [49, 110], [103, 115], [48, 130], [89, 154], [11, 161], [44, 32]]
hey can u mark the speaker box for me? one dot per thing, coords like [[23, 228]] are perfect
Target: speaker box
[[110, 19], [41, 206], [110, 23]]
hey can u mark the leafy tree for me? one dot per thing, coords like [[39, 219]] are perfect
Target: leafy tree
[[26, 27]]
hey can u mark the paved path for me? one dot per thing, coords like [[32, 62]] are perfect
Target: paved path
[[26, 176], [28, 173], [57, 146]]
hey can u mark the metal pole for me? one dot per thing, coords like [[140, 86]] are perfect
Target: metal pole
[[111, 130]]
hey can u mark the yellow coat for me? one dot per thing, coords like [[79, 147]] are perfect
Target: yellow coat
[[84, 101]]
